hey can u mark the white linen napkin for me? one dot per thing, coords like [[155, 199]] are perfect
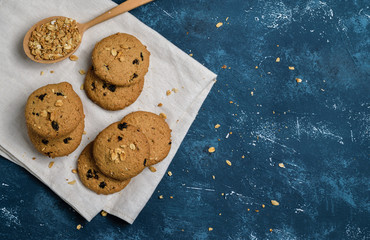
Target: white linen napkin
[[19, 77]]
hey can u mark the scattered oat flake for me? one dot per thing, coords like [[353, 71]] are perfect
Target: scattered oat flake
[[33, 158], [51, 71], [219, 24], [160, 197], [252, 93], [41, 73], [84, 132], [281, 165], [291, 68], [298, 80], [231, 133], [224, 67], [248, 209], [82, 72], [72, 182], [278, 59], [82, 86], [211, 149], [191, 54], [277, 46], [213, 176], [73, 58], [169, 173], [160, 105], [168, 92], [78, 227], [228, 162], [210, 229], [231, 102], [217, 125], [257, 210], [275, 203], [104, 213], [227, 18], [152, 169], [164, 116], [74, 171], [51, 164], [243, 156], [322, 90], [175, 90], [222, 194], [171, 197]]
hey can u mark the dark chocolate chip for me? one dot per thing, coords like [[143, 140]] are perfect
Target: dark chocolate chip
[[104, 94], [96, 176], [134, 76], [119, 138], [112, 88], [55, 125], [48, 153], [121, 126], [136, 61], [67, 139], [92, 174], [104, 85], [33, 113], [144, 161], [93, 86], [37, 114], [59, 94], [169, 143], [142, 57], [106, 66], [44, 141], [41, 97], [102, 185], [109, 139], [89, 174]]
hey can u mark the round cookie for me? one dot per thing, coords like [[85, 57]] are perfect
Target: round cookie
[[108, 96], [54, 110], [58, 147], [120, 59], [121, 151], [156, 130], [92, 178]]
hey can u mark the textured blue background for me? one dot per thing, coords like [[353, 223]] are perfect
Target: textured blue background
[[319, 128]]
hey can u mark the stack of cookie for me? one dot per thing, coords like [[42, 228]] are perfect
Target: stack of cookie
[[122, 151], [55, 119], [116, 78]]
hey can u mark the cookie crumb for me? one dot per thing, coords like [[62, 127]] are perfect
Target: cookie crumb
[[103, 213], [275, 203], [169, 173], [33, 158], [152, 169], [248, 209], [73, 58], [160, 105], [211, 149], [74, 171], [171, 197], [256, 210], [228, 162], [252, 93], [72, 182], [210, 229], [217, 125], [224, 67], [298, 80], [160, 197], [190, 54], [164, 116], [51, 164], [270, 229], [219, 24], [168, 92], [256, 67], [51, 71], [281, 165], [175, 90], [84, 132], [243, 156], [213, 176], [78, 227], [291, 68], [227, 18], [278, 59], [82, 72], [41, 73], [263, 205], [231, 102]]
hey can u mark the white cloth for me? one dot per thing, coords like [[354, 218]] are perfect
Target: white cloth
[[19, 77]]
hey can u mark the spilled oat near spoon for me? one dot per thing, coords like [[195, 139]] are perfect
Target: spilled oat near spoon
[[54, 39]]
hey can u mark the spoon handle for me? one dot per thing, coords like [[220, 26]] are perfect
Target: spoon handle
[[122, 8]]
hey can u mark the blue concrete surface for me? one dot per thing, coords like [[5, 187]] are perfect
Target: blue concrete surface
[[318, 128]]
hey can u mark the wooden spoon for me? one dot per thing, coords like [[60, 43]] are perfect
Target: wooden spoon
[[82, 27]]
